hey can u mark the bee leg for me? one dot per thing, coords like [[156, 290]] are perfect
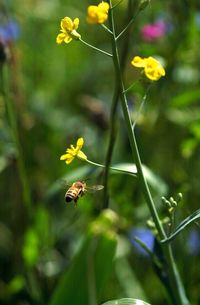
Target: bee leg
[[75, 201], [82, 193]]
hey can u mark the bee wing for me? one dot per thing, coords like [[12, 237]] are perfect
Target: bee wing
[[65, 183], [94, 188]]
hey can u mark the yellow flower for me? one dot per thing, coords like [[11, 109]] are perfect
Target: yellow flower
[[73, 152], [68, 30], [97, 13], [152, 68]]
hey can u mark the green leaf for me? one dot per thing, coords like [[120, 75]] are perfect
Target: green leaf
[[154, 180], [183, 117], [183, 225], [126, 301], [36, 237], [90, 269], [129, 283], [30, 249], [186, 98]]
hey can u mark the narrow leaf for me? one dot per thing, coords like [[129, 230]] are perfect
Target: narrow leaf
[[183, 225], [154, 180]]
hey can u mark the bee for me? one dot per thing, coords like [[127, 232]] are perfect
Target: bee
[[78, 189]]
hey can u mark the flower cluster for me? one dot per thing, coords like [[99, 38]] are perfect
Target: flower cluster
[[98, 13], [73, 152], [152, 67], [68, 30]]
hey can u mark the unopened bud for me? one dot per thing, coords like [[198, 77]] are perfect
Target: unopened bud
[[143, 4], [179, 197], [150, 224], [173, 202], [166, 202]]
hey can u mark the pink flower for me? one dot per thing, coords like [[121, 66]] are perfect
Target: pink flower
[[154, 31]]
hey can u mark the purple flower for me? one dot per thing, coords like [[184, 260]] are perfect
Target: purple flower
[[9, 32], [145, 236], [154, 31]]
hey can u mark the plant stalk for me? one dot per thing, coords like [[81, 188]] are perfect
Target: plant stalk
[[113, 111], [178, 297]]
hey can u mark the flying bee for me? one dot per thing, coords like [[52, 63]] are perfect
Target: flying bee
[[78, 189]]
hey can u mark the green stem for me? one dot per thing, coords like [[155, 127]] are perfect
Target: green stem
[[107, 29], [130, 87], [140, 108], [114, 6], [113, 111], [20, 160], [112, 168], [111, 144], [131, 134], [96, 49], [127, 27], [179, 296]]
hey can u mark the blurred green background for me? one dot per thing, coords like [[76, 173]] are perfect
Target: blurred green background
[[63, 92]]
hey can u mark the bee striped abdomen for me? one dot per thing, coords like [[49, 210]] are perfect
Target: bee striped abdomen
[[71, 194]]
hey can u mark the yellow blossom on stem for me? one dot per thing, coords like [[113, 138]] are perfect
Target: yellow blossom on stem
[[98, 13], [152, 67], [73, 152], [68, 30]]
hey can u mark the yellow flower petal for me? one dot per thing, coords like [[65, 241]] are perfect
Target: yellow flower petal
[[102, 17], [97, 14], [76, 23], [153, 69], [67, 39], [92, 14], [104, 7], [138, 62], [69, 160], [60, 38], [80, 142], [67, 24], [71, 151], [63, 157]]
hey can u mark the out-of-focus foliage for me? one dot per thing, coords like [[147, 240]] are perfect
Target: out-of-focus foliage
[[88, 271], [63, 92]]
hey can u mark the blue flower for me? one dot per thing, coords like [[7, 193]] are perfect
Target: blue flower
[[9, 31], [144, 235]]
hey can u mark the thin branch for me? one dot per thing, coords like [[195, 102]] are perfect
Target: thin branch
[[127, 27], [96, 49], [106, 28]]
